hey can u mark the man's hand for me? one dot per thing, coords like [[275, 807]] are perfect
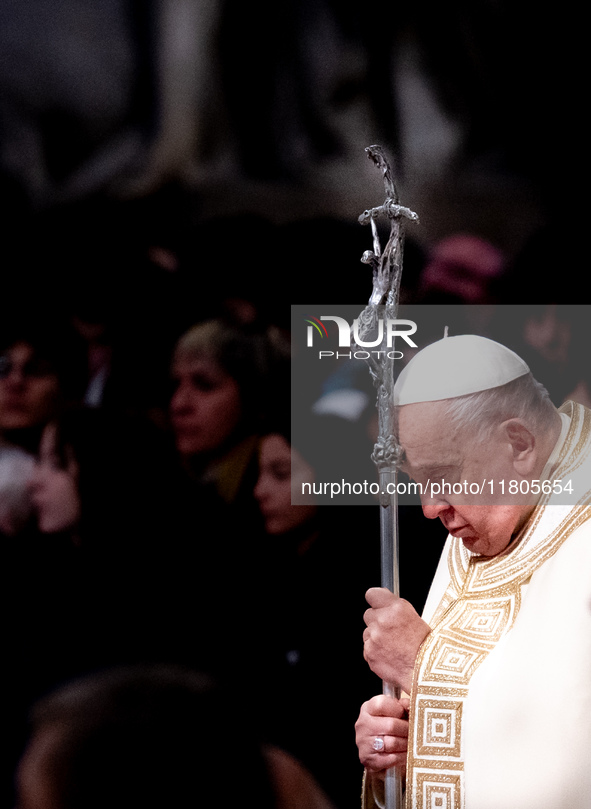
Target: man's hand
[[393, 637], [384, 718]]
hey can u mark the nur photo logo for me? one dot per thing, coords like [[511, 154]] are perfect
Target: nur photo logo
[[382, 340]]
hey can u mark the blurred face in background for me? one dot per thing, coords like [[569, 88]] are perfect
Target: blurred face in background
[[205, 408], [54, 487], [29, 388], [463, 266], [281, 467], [548, 331]]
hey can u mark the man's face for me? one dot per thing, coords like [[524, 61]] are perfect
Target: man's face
[[434, 453]]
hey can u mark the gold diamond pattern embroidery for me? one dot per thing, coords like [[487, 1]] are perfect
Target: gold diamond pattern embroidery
[[484, 620], [452, 662], [439, 728], [438, 790]]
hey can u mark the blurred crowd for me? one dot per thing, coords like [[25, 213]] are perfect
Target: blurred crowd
[[146, 465], [172, 620]]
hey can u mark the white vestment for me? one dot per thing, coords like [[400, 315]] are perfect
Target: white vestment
[[501, 701]]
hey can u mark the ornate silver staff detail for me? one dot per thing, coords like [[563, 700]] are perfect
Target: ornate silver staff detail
[[387, 273]]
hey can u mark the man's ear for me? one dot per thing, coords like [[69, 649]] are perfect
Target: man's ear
[[522, 443]]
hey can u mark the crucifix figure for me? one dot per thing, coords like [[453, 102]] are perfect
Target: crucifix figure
[[387, 273]]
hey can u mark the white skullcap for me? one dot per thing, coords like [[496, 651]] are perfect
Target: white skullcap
[[457, 366]]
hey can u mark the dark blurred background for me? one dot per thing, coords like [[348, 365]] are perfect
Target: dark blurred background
[[165, 115]]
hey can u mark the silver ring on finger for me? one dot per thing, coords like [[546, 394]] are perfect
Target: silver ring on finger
[[378, 744]]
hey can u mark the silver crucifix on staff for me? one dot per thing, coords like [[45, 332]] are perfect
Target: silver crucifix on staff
[[387, 273]]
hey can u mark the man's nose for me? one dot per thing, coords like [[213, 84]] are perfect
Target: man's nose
[[434, 508]]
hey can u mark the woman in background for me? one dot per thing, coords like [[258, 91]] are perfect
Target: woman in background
[[108, 494], [116, 573], [41, 370], [315, 558], [224, 377]]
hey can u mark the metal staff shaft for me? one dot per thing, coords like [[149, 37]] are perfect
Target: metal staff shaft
[[390, 580], [389, 535], [387, 271]]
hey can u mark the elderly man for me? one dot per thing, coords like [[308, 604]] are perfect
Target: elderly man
[[496, 675]]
